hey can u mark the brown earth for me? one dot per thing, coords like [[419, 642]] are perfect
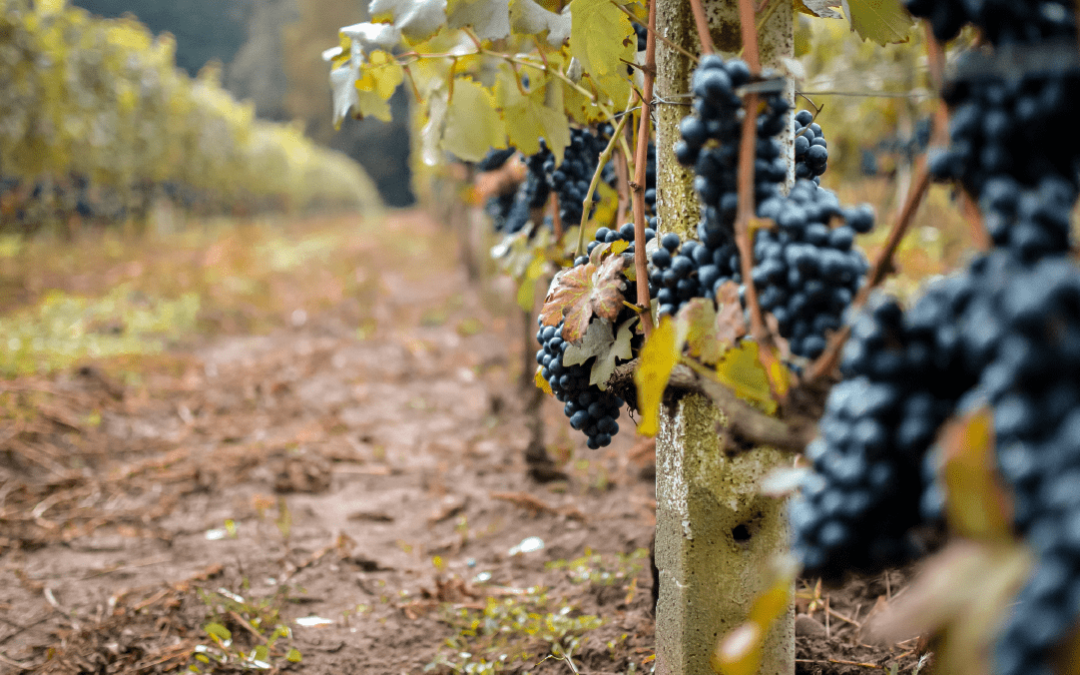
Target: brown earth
[[372, 482]]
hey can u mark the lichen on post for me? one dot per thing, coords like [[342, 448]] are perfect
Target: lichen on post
[[715, 534]]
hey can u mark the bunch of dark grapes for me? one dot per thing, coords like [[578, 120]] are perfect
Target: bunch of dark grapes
[[904, 374], [571, 179], [811, 150], [1010, 111], [681, 271], [1022, 330], [1002, 22], [606, 235], [719, 113], [806, 272], [591, 410]]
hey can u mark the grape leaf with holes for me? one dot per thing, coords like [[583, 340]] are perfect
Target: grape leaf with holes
[[579, 293]]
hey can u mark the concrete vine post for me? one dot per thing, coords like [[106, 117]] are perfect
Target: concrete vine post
[[715, 535]]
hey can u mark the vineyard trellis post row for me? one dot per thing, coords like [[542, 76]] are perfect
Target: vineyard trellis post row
[[716, 536]]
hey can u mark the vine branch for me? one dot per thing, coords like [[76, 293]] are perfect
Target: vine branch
[[702, 23], [640, 161], [830, 358], [741, 419]]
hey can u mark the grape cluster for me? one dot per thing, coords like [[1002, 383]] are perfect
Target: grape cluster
[[806, 272], [1002, 22], [606, 235], [681, 271], [904, 376], [1011, 111], [591, 410], [1003, 334], [811, 149], [1023, 331], [719, 112], [571, 179]]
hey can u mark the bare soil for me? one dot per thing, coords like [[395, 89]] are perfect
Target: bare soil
[[371, 482]]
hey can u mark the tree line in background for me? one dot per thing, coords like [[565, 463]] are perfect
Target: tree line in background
[[98, 123]]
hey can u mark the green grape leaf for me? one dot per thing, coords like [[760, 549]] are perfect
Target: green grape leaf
[[601, 38], [579, 293], [218, 631], [529, 117], [820, 8], [883, 21], [416, 19], [472, 125], [658, 358], [489, 19], [529, 18], [742, 372]]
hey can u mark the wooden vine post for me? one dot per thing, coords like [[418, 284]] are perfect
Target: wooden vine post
[[715, 534]]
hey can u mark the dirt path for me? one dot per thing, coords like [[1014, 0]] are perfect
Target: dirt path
[[373, 481], [329, 480]]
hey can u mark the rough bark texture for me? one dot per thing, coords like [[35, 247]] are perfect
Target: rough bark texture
[[715, 535]]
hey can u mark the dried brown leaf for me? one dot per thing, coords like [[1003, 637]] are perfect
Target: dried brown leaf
[[577, 294]]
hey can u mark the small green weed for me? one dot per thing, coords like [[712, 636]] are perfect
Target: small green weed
[[595, 568], [511, 633], [259, 620]]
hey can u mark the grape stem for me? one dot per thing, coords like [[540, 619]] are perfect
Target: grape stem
[[622, 186], [556, 217], [702, 23], [747, 147], [605, 156], [641, 160], [830, 358]]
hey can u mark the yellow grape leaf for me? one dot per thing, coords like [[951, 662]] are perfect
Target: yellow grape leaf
[[977, 503], [526, 296], [883, 21], [416, 19], [381, 75], [528, 117], [697, 322], [742, 372], [47, 7], [658, 359], [472, 125], [580, 292], [541, 383], [739, 653], [602, 38], [489, 19], [529, 18]]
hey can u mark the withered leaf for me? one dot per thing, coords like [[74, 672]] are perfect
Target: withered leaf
[[579, 293], [730, 319]]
